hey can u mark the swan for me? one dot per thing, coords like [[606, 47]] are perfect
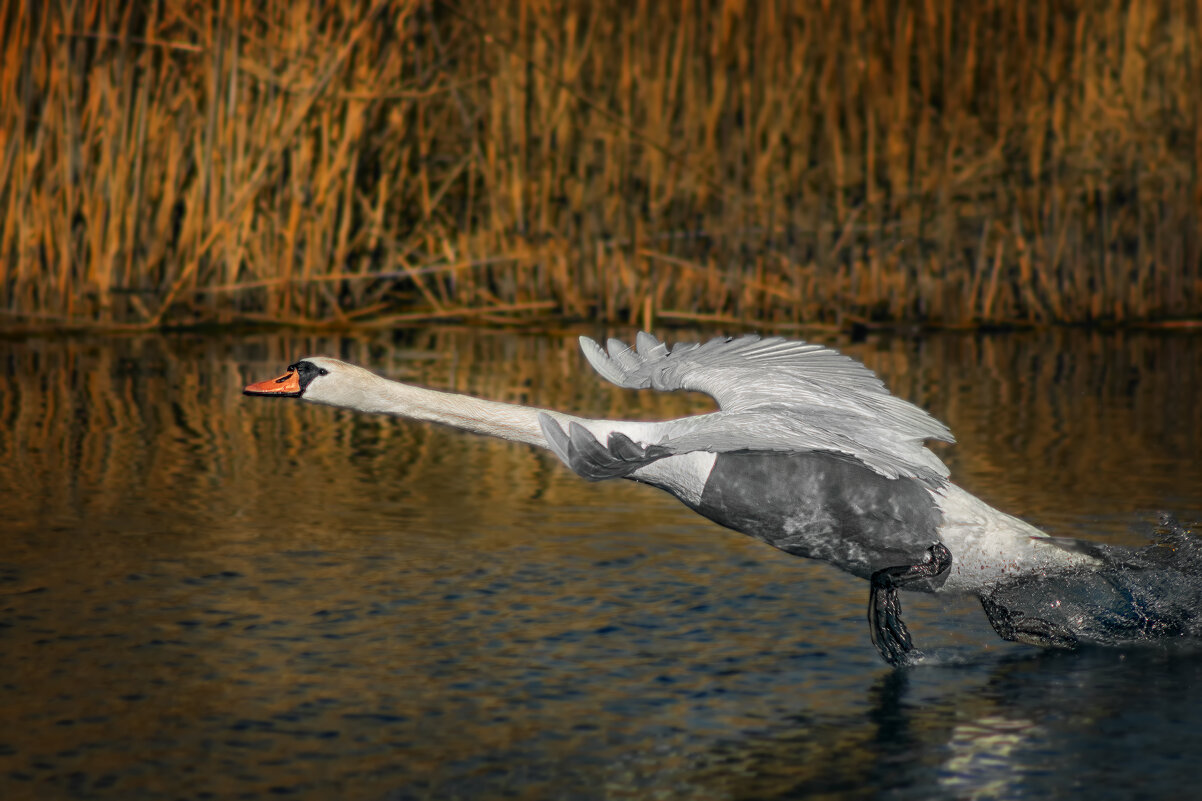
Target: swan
[[808, 452]]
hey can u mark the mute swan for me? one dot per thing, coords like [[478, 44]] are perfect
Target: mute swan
[[808, 452]]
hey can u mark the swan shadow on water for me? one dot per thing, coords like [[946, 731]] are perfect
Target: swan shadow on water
[[811, 454]]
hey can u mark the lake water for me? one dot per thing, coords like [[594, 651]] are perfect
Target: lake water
[[204, 595]]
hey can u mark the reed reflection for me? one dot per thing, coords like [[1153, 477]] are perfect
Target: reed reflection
[[186, 567], [1055, 424]]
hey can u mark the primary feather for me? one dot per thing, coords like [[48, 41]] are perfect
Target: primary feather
[[779, 395]]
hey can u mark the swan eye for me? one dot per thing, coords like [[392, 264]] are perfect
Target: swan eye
[[322, 371]]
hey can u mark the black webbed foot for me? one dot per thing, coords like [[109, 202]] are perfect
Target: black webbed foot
[[1015, 626], [885, 625]]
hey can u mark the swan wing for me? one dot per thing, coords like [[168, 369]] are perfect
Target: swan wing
[[778, 394]]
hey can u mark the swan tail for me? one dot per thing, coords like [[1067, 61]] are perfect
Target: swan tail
[[580, 450]]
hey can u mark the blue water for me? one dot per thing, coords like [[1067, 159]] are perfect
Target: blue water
[[209, 596]]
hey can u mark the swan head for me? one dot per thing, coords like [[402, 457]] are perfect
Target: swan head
[[319, 379]]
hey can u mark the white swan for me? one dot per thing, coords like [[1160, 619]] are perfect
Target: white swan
[[808, 452]]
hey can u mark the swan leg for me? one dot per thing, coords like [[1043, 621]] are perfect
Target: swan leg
[[1015, 626], [885, 625]]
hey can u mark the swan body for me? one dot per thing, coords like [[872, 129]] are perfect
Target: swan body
[[808, 452]]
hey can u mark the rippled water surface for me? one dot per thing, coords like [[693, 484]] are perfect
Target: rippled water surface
[[206, 595]]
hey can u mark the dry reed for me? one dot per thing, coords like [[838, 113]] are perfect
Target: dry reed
[[770, 163]]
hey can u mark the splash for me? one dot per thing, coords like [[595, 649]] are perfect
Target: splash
[[1141, 594]]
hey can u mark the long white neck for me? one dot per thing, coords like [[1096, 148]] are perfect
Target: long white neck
[[352, 387]]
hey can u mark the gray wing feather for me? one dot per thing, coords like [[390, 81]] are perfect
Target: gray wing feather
[[581, 451], [778, 394]]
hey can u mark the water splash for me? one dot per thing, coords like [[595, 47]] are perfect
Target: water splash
[[1147, 594]]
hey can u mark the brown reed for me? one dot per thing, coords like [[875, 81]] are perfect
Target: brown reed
[[769, 163]]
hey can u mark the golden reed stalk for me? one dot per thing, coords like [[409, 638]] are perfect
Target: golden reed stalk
[[769, 163]]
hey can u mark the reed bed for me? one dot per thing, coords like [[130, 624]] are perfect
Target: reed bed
[[719, 161]]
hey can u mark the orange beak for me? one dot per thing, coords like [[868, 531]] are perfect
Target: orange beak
[[286, 386]]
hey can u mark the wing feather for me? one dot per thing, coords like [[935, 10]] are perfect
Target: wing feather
[[778, 394]]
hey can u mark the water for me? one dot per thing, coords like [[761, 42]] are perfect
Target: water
[[205, 595]]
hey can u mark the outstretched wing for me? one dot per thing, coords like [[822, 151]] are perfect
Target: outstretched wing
[[777, 394]]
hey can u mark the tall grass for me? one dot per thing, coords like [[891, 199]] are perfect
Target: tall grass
[[771, 163]]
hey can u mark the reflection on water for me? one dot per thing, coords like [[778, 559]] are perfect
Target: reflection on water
[[205, 593], [1032, 724]]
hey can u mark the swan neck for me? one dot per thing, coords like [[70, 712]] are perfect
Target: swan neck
[[505, 420]]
